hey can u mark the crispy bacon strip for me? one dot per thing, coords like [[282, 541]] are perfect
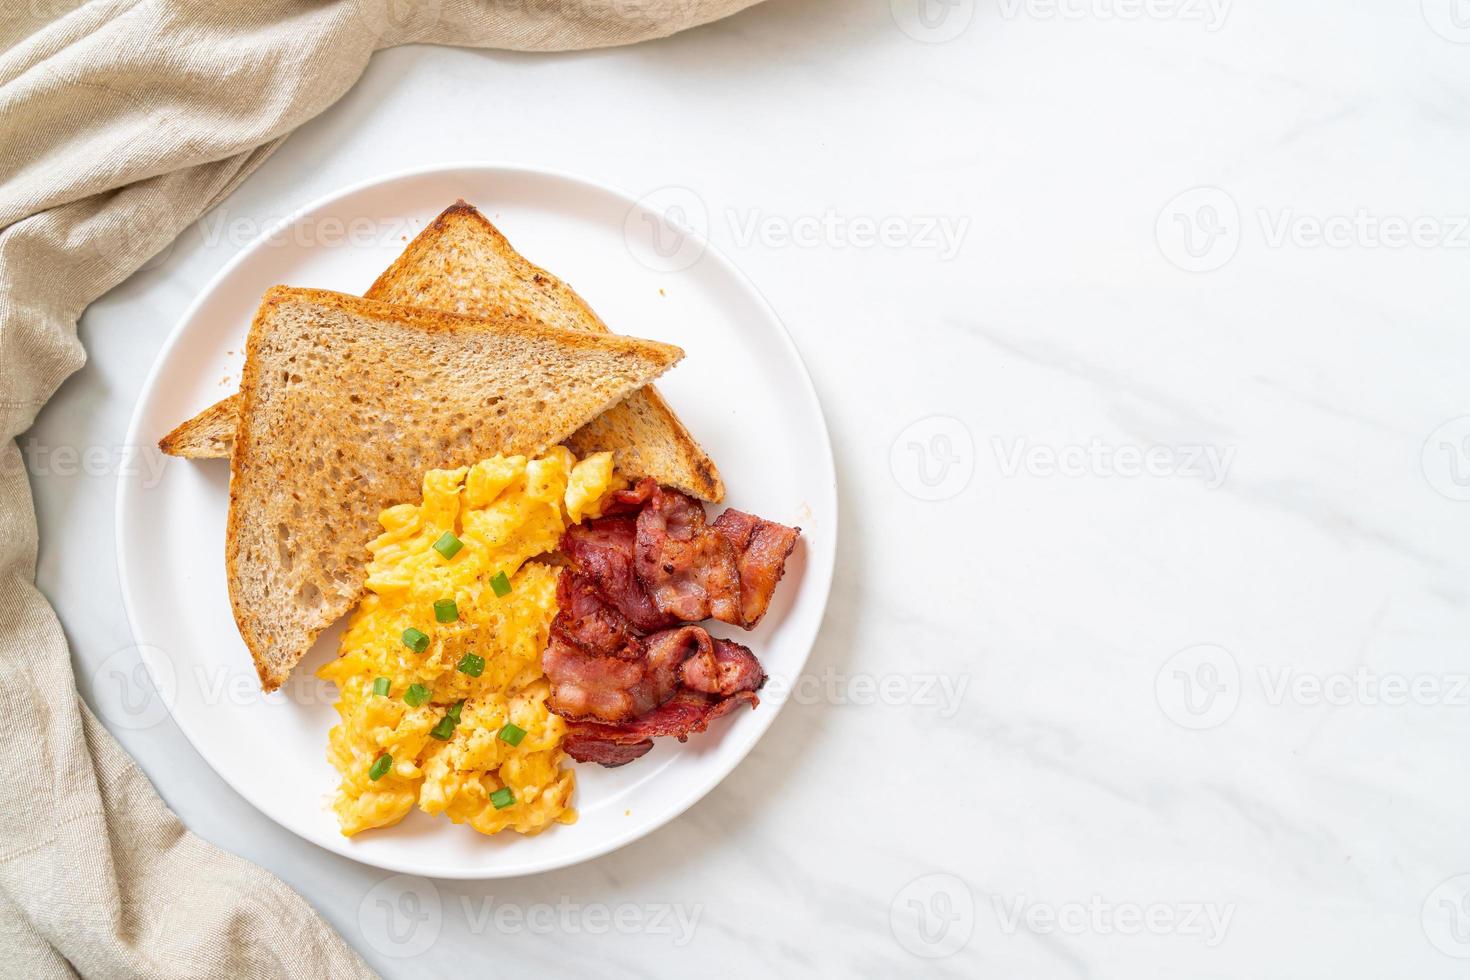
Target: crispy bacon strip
[[587, 748], [603, 551], [686, 566], [723, 668], [600, 669], [761, 549], [588, 621], [593, 659], [622, 672], [584, 685], [631, 500], [666, 564], [686, 713]]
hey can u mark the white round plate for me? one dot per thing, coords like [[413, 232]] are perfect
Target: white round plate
[[741, 389]]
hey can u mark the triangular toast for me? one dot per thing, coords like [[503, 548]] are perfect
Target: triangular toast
[[462, 263], [347, 402]]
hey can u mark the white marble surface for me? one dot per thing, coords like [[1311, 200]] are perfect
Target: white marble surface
[[1014, 720]]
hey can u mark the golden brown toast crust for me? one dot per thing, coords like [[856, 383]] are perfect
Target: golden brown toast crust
[[644, 434], [207, 435]]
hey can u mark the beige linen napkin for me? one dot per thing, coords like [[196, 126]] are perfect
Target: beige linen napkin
[[121, 121]]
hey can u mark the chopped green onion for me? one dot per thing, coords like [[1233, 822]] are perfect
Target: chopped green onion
[[416, 640], [381, 686], [448, 545], [446, 610], [472, 665], [454, 710], [443, 729], [502, 798], [380, 768], [512, 733], [500, 584], [416, 695]]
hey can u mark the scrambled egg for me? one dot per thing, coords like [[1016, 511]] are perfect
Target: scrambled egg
[[443, 703]]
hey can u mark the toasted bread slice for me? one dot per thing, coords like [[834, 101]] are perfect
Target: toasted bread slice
[[462, 263], [208, 435], [347, 402]]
